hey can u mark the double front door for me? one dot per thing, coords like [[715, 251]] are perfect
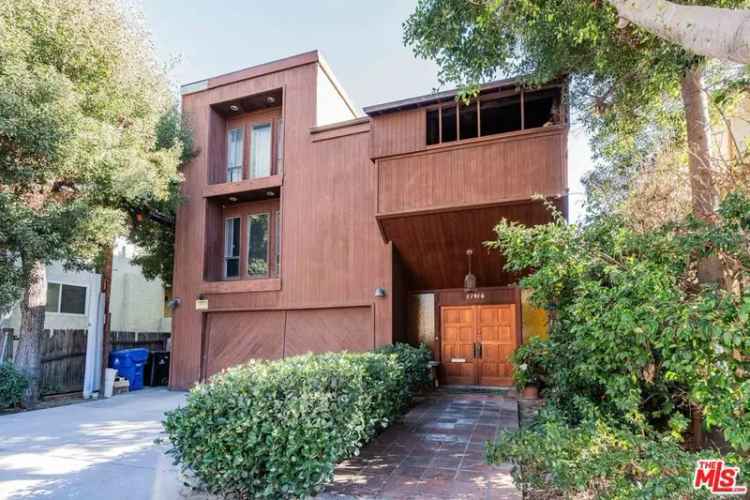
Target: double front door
[[476, 343]]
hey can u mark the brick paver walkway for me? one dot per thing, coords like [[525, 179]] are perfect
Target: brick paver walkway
[[436, 451]]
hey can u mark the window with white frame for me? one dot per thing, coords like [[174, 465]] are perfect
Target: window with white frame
[[232, 247], [234, 154], [66, 299], [260, 151]]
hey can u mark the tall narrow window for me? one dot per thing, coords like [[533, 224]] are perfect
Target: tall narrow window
[[234, 155], [433, 126], [260, 151], [449, 123], [257, 255], [280, 147], [232, 247], [277, 243], [53, 297]]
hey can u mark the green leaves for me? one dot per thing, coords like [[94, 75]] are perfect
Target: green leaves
[[633, 335], [87, 128], [12, 385], [277, 429]]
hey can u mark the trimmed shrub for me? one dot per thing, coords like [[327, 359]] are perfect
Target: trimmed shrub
[[277, 429], [415, 362], [597, 459], [12, 385]]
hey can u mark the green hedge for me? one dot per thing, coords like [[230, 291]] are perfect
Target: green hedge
[[12, 385], [598, 459], [277, 429]]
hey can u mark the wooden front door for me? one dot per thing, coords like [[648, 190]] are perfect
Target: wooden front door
[[476, 344]]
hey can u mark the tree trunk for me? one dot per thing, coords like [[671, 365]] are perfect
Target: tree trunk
[[699, 163], [722, 33], [28, 358]]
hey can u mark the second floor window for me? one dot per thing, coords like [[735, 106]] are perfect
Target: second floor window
[[232, 248], [258, 238], [234, 155], [260, 151]]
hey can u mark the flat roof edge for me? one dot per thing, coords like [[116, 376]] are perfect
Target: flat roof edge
[[435, 97], [276, 66]]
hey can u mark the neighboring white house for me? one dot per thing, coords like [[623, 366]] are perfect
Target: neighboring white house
[[137, 304], [75, 302]]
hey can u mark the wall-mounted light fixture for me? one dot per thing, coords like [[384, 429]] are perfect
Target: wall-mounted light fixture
[[172, 304], [234, 107], [380, 292]]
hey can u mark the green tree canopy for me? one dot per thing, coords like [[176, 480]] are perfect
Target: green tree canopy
[[81, 102], [625, 81]]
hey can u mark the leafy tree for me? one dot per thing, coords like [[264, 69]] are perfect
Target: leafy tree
[[634, 336], [634, 90], [81, 98]]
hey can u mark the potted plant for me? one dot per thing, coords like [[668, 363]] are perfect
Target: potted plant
[[529, 367]]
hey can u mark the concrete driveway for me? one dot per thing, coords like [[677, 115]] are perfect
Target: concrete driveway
[[97, 449]]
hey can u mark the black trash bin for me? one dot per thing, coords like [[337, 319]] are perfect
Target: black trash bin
[[157, 368]]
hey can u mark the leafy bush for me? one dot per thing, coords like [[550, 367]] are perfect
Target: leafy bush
[[596, 459], [633, 334], [12, 385], [277, 429], [415, 363], [530, 362]]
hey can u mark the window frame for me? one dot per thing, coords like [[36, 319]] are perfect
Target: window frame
[[243, 211], [269, 235], [226, 257], [59, 299], [251, 162], [498, 94], [241, 165]]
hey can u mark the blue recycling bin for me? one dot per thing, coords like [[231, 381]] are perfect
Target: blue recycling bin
[[129, 363]]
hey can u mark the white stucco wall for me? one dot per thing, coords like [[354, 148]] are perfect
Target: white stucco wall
[[62, 321], [137, 304]]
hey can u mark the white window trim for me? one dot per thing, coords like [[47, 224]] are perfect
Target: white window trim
[[59, 299]]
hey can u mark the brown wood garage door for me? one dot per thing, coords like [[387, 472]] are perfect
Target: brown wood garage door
[[237, 337]]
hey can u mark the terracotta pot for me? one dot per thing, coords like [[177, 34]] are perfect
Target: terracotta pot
[[530, 392]]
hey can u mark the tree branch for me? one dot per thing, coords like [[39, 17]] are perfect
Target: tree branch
[[706, 31]]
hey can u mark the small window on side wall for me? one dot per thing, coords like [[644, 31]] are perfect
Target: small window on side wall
[[66, 299]]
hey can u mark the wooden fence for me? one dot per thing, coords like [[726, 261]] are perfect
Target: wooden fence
[[64, 355], [63, 361]]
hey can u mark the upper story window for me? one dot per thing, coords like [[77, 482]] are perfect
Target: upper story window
[[492, 114], [66, 299], [260, 151], [234, 154]]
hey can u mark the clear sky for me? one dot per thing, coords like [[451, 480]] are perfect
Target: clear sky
[[362, 42]]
